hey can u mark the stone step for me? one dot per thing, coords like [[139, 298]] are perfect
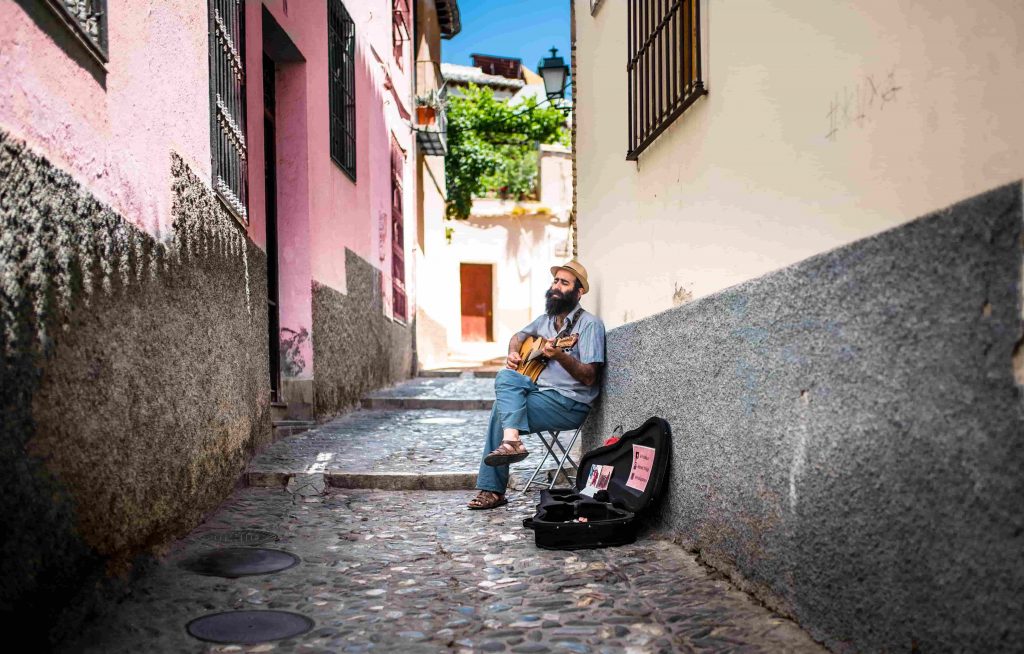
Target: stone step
[[439, 403], [278, 411], [393, 481], [440, 393], [286, 428], [462, 374]]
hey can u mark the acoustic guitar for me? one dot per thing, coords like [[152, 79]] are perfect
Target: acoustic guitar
[[532, 360]]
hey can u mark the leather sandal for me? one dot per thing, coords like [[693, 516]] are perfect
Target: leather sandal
[[506, 453], [486, 500]]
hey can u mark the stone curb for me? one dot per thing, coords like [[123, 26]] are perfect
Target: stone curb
[[425, 403], [476, 374], [438, 481], [371, 480]]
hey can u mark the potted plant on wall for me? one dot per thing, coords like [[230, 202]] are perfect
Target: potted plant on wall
[[427, 106]]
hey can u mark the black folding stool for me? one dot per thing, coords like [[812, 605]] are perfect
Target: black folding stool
[[566, 464]]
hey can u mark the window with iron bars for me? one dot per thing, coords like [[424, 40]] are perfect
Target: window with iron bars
[[227, 105], [663, 69], [87, 20], [341, 51], [401, 31], [399, 303]]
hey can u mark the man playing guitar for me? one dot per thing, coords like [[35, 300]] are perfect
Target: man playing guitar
[[557, 398]]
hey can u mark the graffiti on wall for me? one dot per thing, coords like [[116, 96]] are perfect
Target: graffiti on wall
[[292, 360], [854, 106]]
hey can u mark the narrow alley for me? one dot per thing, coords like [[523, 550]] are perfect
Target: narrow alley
[[269, 270], [414, 571]]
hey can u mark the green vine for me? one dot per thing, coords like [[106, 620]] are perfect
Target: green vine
[[492, 146]]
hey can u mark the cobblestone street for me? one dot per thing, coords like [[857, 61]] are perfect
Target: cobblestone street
[[413, 571]]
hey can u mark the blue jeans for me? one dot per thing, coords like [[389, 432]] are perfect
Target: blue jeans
[[521, 404]]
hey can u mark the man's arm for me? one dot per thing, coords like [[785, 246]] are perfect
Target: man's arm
[[591, 348], [585, 373]]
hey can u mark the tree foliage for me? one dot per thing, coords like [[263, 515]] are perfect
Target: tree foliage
[[493, 145]]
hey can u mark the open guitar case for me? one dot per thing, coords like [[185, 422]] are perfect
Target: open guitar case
[[639, 466]]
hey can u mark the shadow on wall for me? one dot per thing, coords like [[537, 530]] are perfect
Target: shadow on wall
[[431, 340], [356, 347], [47, 21], [135, 383]]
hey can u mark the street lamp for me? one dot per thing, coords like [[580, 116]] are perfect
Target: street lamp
[[555, 73]]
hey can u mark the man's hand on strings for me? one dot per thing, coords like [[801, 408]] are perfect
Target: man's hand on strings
[[513, 360], [550, 351]]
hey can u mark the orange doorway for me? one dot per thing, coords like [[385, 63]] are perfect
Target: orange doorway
[[477, 301]]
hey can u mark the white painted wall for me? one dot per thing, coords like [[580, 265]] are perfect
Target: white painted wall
[[825, 122]]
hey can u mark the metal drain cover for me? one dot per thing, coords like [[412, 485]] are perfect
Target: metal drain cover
[[232, 562], [247, 627], [250, 537]]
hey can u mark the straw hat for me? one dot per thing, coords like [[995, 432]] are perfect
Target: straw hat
[[577, 269]]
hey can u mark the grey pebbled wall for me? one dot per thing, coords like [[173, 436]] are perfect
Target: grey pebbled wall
[[849, 433], [355, 347], [134, 381]]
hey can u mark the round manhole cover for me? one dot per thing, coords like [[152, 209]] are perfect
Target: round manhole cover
[[249, 537], [247, 627], [234, 562]]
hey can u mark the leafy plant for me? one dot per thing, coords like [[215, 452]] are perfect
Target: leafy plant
[[432, 98], [492, 146], [516, 174]]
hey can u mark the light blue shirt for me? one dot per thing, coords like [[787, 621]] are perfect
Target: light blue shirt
[[589, 349]]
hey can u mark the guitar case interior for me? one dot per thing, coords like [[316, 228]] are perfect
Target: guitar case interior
[[638, 468]]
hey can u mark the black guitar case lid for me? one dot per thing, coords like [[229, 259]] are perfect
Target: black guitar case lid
[[639, 467], [623, 488]]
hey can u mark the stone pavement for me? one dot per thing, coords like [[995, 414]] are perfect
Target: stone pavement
[[414, 571], [432, 443], [463, 392]]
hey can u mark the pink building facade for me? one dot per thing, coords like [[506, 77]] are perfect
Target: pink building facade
[[203, 210]]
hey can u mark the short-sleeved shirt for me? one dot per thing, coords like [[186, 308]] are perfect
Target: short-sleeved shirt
[[589, 349]]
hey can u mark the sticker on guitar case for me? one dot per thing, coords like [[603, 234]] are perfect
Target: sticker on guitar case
[[643, 463], [598, 479]]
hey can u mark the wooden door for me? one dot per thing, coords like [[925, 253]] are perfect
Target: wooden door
[[477, 302]]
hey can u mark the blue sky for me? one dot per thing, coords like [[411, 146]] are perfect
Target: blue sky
[[525, 29]]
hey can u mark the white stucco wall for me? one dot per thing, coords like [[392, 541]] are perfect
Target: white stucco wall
[[825, 122], [435, 296], [521, 250], [521, 240]]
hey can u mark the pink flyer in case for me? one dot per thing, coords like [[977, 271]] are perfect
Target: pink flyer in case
[[643, 463]]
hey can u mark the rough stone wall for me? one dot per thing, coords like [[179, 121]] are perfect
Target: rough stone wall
[[355, 347], [134, 378], [849, 434]]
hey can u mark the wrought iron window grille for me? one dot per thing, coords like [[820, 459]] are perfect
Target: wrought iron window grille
[[87, 20], [663, 68], [227, 106], [341, 37]]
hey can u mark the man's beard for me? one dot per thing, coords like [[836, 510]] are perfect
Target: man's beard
[[555, 303]]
